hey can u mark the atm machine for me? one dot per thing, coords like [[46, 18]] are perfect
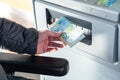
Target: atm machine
[[97, 57]]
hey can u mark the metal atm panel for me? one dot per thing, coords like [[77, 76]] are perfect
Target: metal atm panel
[[91, 7], [102, 33]]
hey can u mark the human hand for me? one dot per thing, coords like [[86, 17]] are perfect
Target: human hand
[[46, 41]]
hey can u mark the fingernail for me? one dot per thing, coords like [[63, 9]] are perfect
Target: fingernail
[[59, 31]]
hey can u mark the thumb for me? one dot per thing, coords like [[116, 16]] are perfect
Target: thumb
[[54, 34]]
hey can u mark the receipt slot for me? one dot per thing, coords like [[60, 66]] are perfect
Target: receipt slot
[[100, 24]]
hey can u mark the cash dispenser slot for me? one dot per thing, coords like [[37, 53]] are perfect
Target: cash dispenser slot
[[85, 25]]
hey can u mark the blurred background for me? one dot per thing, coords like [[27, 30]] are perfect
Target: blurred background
[[17, 10], [19, 4], [21, 12]]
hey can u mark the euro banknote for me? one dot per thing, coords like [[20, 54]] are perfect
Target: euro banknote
[[71, 33]]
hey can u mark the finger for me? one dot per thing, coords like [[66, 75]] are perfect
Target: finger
[[54, 34], [53, 44], [58, 39], [54, 39], [51, 49], [45, 45]]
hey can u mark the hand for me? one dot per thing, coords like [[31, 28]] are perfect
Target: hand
[[46, 41]]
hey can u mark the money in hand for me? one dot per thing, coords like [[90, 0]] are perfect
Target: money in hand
[[72, 33]]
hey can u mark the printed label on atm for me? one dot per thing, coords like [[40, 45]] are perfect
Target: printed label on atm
[[106, 3]]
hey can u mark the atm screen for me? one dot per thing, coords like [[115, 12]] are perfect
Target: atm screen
[[106, 3]]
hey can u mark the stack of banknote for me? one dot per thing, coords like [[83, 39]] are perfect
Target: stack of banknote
[[72, 33]]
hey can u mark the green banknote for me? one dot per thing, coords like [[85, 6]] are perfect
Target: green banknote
[[72, 33]]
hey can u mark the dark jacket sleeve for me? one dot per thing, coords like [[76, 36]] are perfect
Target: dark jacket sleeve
[[17, 38]]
